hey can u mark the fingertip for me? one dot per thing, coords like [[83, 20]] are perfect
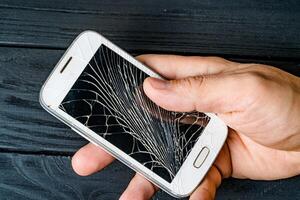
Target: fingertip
[[146, 83], [164, 94], [149, 90], [154, 89], [165, 65], [90, 159], [79, 165], [146, 58]]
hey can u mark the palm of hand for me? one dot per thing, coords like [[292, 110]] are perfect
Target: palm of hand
[[261, 145], [252, 160]]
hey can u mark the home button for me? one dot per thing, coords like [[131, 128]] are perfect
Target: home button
[[201, 157]]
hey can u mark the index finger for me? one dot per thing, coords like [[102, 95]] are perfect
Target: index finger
[[177, 67]]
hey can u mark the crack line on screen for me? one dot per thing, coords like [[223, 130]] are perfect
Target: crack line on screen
[[109, 99]]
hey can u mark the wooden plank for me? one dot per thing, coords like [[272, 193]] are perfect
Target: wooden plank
[[25, 126], [254, 28], [51, 177]]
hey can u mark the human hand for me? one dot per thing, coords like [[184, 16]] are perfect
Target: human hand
[[260, 104]]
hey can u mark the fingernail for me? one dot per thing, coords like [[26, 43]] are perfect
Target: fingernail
[[159, 83]]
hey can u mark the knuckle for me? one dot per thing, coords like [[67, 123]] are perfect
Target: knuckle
[[218, 59], [256, 83], [222, 61], [192, 82], [189, 86]]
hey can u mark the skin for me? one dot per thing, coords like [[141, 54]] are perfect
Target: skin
[[260, 104]]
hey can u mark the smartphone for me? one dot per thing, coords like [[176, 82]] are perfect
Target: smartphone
[[96, 89]]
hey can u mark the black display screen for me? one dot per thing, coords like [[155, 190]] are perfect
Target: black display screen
[[108, 98]]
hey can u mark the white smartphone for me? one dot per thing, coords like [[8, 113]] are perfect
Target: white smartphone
[[96, 89]]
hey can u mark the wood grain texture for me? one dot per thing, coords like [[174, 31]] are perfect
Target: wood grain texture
[[239, 28], [51, 177], [25, 126], [35, 147]]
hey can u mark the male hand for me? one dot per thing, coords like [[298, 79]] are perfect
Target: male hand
[[259, 103]]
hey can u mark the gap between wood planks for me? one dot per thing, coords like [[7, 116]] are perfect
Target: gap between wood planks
[[135, 52]]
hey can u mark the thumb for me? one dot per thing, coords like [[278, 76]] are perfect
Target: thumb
[[213, 93]]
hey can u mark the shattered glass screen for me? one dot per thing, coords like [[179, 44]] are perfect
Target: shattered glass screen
[[108, 98]]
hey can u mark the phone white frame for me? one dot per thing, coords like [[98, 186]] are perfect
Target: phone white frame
[[58, 85]]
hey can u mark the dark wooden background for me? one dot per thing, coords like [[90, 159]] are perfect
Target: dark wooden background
[[35, 148]]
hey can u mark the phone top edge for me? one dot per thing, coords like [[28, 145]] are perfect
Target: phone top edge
[[41, 99]]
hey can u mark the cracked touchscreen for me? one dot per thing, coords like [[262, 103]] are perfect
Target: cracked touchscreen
[[108, 98]]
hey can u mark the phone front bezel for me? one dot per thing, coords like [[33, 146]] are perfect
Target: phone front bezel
[[58, 85]]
